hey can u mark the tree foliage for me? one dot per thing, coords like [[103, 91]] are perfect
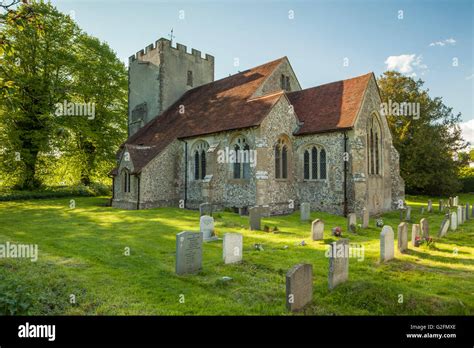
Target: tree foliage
[[428, 144], [51, 62]]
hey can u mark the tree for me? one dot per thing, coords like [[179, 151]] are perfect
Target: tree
[[58, 65], [428, 143]]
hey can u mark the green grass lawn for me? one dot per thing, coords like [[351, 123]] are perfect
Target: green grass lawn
[[82, 253]]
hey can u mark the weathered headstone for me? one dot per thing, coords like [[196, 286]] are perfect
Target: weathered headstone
[[459, 212], [305, 211], [444, 227], [338, 263], [386, 244], [351, 222], [422, 210], [408, 214], [450, 202], [463, 214], [468, 211], [255, 218], [430, 206], [441, 205], [454, 221], [299, 287], [365, 218], [188, 252], [205, 209], [232, 247], [403, 237], [415, 232], [206, 226], [425, 229], [317, 229]]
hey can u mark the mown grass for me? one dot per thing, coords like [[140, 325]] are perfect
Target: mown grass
[[82, 252]]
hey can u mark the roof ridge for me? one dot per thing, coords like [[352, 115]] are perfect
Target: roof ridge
[[329, 83]]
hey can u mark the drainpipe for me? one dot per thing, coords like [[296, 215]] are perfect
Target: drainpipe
[[185, 172], [345, 175], [138, 192]]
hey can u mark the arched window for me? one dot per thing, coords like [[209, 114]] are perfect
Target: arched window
[[314, 163], [281, 159], [242, 159], [374, 150], [126, 180], [199, 153]]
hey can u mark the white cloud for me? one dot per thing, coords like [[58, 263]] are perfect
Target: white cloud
[[467, 129], [406, 63], [470, 77], [449, 41]]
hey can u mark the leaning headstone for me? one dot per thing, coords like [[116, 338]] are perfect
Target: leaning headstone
[[425, 229], [441, 205], [459, 212], [299, 287], [415, 232], [365, 218], [408, 214], [232, 247], [338, 263], [386, 244], [205, 209], [454, 221], [430, 206], [317, 229], [305, 211], [206, 226], [351, 222], [468, 211], [403, 237], [444, 227], [188, 252]]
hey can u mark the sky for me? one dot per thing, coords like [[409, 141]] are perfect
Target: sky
[[325, 40]]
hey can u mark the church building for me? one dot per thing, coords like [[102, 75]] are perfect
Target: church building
[[255, 138]]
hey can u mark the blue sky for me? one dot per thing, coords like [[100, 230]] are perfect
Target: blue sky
[[425, 42]]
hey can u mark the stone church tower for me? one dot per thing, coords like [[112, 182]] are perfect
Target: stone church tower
[[159, 75]]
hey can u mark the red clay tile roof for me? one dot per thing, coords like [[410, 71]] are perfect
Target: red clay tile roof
[[329, 107], [218, 106]]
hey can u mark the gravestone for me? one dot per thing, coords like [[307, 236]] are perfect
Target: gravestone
[[351, 222], [415, 232], [430, 206], [255, 218], [463, 214], [206, 226], [338, 263], [454, 221], [403, 237], [456, 201], [408, 214], [444, 227], [205, 209], [188, 252], [468, 211], [459, 212], [317, 229], [441, 205], [386, 244], [305, 211], [365, 218], [425, 229], [450, 202], [422, 210], [232, 247], [299, 287]]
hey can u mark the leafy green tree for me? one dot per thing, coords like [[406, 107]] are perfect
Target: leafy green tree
[[49, 67], [428, 143]]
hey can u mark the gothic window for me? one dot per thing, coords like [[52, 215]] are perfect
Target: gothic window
[[281, 159], [126, 180], [199, 157], [241, 166], [190, 78], [282, 82], [288, 87], [374, 151], [314, 163], [285, 83]]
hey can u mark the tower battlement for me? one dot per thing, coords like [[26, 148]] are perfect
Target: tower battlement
[[163, 44]]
